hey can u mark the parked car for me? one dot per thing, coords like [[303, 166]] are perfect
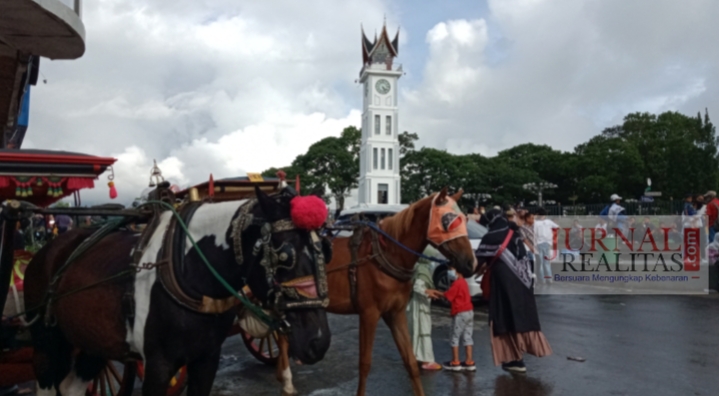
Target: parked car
[[440, 271]]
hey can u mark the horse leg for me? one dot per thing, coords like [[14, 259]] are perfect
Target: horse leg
[[85, 369], [201, 374], [397, 322], [368, 327], [284, 372], [51, 360], [158, 373]]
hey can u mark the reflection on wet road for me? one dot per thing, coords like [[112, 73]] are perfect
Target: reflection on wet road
[[633, 345]]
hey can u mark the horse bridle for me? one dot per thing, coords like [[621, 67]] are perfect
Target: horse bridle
[[283, 296]]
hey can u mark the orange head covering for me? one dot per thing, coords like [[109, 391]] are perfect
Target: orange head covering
[[446, 220]]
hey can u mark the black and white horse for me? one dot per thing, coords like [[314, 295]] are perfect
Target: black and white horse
[[253, 243]]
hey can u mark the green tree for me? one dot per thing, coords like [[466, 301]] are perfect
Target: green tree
[[678, 152], [547, 164], [328, 165], [429, 170], [406, 142], [609, 165]]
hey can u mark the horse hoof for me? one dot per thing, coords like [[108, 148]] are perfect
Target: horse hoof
[[292, 393]]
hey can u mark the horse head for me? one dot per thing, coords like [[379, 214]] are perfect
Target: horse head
[[288, 269], [447, 231]]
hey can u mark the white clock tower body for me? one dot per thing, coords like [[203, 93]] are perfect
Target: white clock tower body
[[379, 181]]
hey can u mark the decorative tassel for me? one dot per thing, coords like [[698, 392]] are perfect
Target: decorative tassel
[[39, 182], [29, 191], [18, 191], [113, 190]]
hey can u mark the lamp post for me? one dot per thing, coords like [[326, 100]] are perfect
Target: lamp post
[[538, 188]]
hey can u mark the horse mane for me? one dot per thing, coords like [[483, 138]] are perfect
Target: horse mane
[[401, 222]]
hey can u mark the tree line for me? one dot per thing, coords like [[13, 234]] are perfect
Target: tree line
[[677, 152]]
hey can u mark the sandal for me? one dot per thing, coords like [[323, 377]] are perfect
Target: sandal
[[431, 366]]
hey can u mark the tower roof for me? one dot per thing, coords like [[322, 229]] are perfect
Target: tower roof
[[369, 47]]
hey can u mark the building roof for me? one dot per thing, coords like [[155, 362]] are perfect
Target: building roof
[[24, 162], [45, 176], [369, 47]]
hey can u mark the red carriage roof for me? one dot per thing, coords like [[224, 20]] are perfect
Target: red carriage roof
[[45, 176]]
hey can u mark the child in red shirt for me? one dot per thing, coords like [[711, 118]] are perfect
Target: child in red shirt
[[462, 322]]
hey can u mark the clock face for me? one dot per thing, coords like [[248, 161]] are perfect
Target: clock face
[[383, 86]]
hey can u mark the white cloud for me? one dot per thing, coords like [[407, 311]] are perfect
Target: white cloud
[[565, 71], [220, 86], [226, 87]]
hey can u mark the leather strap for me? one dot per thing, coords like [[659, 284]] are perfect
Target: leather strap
[[355, 243], [168, 278], [502, 248], [398, 273]]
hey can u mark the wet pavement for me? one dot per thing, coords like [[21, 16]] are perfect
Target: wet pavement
[[633, 345]]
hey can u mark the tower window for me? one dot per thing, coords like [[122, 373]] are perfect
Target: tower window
[[389, 159], [382, 193], [388, 127], [374, 158], [382, 159], [376, 125]]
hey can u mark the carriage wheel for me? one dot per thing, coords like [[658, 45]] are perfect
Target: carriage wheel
[[116, 379], [177, 383], [265, 349]]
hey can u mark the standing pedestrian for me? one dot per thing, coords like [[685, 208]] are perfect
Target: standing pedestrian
[[689, 213], [527, 230], [513, 319], [420, 314], [544, 236], [712, 214], [462, 322]]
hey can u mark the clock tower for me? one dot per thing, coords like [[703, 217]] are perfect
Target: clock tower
[[379, 181]]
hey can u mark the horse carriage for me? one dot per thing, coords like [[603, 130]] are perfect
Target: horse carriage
[[270, 236], [40, 178]]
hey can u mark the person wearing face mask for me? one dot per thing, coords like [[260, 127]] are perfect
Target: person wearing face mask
[[508, 284], [462, 322]]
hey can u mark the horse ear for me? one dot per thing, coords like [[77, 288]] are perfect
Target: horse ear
[[442, 196], [269, 207], [458, 195]]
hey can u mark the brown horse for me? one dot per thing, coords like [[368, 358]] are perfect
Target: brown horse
[[435, 219]]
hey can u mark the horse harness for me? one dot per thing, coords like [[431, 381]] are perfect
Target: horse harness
[[283, 296], [172, 254], [399, 273]]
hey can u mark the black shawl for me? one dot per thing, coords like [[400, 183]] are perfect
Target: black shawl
[[512, 308]]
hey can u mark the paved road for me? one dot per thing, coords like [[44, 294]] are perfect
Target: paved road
[[633, 345]]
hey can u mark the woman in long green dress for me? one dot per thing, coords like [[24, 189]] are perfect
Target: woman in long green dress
[[419, 309]]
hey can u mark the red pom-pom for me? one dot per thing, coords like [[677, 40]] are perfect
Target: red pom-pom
[[308, 212]]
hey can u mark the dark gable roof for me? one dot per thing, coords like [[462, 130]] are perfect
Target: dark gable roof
[[369, 46]]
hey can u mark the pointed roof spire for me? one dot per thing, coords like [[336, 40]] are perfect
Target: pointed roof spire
[[369, 47]]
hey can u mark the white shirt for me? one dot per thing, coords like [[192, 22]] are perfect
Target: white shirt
[[614, 211], [543, 231]]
